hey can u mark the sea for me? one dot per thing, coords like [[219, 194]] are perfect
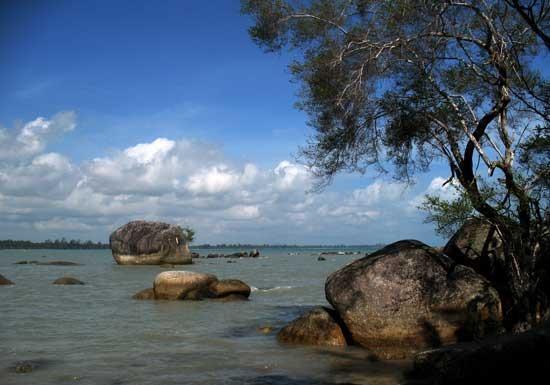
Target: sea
[[97, 334]]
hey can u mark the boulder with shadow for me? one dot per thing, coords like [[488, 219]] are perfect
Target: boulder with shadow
[[408, 297]]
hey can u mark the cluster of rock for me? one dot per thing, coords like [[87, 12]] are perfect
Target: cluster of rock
[[60, 281], [241, 254], [190, 285], [150, 243], [402, 299]]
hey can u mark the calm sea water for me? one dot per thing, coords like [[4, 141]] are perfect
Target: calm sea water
[[97, 334]]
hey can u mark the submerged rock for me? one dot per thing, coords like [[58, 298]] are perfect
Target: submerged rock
[[182, 285], [229, 287], [67, 281], [149, 243], [321, 258], [407, 297], [5, 281], [145, 294], [319, 326]]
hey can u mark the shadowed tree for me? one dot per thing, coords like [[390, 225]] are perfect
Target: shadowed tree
[[409, 83]]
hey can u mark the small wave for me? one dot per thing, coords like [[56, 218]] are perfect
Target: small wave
[[271, 288]]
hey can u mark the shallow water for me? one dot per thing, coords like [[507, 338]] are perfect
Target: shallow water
[[97, 334]]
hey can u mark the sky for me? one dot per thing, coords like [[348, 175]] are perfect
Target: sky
[[113, 111]]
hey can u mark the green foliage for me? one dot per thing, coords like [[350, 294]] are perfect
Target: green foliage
[[447, 215], [403, 84], [189, 234]]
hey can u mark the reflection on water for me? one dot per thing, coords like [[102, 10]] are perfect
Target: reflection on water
[[96, 334]]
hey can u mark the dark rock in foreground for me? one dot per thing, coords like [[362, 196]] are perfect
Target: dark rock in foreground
[[408, 297], [5, 281], [149, 243], [319, 326], [67, 281], [520, 359]]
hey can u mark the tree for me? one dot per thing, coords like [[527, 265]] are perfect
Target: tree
[[397, 85], [189, 234], [535, 14]]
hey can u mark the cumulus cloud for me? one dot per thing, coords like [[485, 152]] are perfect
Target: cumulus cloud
[[32, 137], [190, 183]]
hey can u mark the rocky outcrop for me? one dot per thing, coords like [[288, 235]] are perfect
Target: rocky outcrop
[[5, 281], [149, 243], [407, 297], [319, 326], [477, 245], [145, 294], [190, 285], [233, 288], [508, 359], [182, 285], [67, 281]]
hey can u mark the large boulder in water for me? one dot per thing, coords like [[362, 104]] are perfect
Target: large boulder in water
[[407, 297], [183, 285], [477, 245], [320, 326], [149, 243]]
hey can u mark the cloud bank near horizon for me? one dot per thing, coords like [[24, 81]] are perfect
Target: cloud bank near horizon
[[46, 195]]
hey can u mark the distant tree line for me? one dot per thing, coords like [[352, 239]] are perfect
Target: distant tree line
[[56, 244], [253, 246]]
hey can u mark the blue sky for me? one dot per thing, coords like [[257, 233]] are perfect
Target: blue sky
[[172, 101]]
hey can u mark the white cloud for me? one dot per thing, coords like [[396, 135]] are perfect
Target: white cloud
[[32, 137], [190, 183]]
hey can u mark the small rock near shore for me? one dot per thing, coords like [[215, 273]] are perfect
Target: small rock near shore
[[316, 327]]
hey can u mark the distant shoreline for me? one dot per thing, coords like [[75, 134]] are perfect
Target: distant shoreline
[[89, 245]]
